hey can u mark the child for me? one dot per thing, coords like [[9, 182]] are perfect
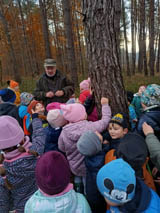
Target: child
[[118, 127], [13, 85], [150, 100], [18, 160], [84, 91], [132, 114], [55, 192], [136, 102], [76, 115], [56, 122], [7, 106], [123, 191], [26, 98]]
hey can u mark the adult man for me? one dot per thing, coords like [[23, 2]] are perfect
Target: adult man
[[53, 86]]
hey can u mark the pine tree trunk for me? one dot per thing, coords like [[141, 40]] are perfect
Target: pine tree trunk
[[151, 38], [133, 36], [70, 42], [102, 51], [45, 28]]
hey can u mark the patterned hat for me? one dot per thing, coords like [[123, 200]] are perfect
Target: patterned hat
[[120, 119], [26, 98], [151, 95]]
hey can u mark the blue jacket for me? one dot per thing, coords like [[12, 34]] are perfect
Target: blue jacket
[[152, 117], [70, 202], [52, 135], [144, 201]]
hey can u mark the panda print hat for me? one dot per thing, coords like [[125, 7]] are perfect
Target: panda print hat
[[116, 181]]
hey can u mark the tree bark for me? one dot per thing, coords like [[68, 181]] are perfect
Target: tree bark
[[45, 28], [102, 51], [70, 41]]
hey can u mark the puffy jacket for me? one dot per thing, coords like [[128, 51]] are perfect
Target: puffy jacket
[[70, 134], [70, 202], [57, 82]]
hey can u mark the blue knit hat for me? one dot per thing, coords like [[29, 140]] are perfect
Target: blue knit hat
[[26, 98], [116, 181], [7, 95], [151, 95]]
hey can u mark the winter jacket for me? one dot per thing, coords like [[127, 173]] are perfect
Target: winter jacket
[[154, 148], [132, 116], [93, 165], [136, 102], [57, 82], [144, 201], [11, 109], [70, 202], [52, 135], [24, 113], [83, 96], [21, 173], [70, 134], [152, 117], [18, 100], [91, 109]]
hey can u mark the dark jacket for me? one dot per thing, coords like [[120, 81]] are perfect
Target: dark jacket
[[151, 117], [57, 82], [52, 136], [11, 109], [93, 164]]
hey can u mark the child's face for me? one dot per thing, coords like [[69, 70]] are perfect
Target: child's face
[[39, 108], [116, 131]]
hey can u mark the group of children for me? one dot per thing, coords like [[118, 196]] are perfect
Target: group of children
[[63, 159]]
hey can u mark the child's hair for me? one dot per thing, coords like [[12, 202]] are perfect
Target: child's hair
[[117, 182], [32, 105], [129, 96], [11, 139]]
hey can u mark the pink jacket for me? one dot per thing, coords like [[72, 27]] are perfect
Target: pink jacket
[[70, 134]]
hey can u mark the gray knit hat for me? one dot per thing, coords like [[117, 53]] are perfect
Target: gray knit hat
[[49, 62], [89, 144]]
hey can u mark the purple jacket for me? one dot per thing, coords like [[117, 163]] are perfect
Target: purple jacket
[[21, 174], [70, 134]]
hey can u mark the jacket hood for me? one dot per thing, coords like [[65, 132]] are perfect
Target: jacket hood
[[60, 204], [141, 200], [153, 118]]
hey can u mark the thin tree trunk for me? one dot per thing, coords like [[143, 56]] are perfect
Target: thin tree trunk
[[125, 38], [133, 36], [70, 42], [151, 38], [45, 28]]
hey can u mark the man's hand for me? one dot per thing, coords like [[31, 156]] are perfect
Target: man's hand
[[147, 129], [59, 93], [49, 94]]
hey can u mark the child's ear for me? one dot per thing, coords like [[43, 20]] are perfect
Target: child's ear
[[125, 130]]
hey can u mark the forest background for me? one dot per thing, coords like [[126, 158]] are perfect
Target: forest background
[[32, 30]]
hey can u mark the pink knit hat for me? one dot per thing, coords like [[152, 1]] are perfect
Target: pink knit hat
[[11, 134], [84, 85], [74, 112], [55, 118], [54, 105]]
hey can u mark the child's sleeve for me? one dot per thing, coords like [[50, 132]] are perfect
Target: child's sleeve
[[38, 135]]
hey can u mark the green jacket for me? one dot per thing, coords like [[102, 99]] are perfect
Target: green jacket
[[154, 148], [57, 82]]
